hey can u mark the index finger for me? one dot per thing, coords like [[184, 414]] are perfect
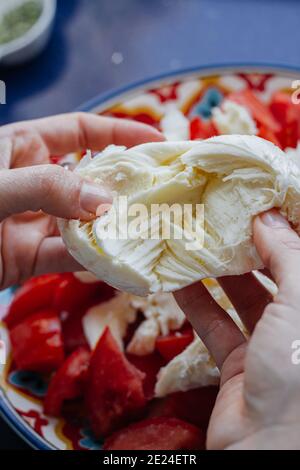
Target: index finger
[[214, 326], [78, 131]]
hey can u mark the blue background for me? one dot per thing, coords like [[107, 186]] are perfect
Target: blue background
[[153, 36]]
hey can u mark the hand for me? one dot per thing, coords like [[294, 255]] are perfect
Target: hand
[[29, 242], [258, 403]]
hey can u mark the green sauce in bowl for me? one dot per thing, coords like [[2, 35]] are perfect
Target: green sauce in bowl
[[16, 22]]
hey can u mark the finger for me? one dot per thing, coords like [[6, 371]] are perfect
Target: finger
[[51, 189], [216, 329], [279, 247], [248, 296], [53, 257], [79, 131]]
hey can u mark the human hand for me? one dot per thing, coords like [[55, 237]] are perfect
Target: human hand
[[29, 241], [258, 403]]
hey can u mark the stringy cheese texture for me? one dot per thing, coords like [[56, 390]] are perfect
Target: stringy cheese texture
[[234, 176]]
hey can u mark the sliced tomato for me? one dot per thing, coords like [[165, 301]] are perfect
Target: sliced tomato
[[200, 129], [73, 294], [68, 382], [157, 434], [37, 342], [194, 406], [258, 110], [283, 109], [288, 115], [150, 366], [72, 330], [173, 344], [114, 392], [269, 135], [34, 295], [289, 135]]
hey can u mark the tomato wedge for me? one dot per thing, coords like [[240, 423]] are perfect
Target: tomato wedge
[[34, 295], [37, 342], [173, 344], [258, 110], [72, 294], [150, 366], [72, 330], [72, 299], [68, 382], [157, 434], [194, 406], [288, 115], [200, 129], [114, 392]]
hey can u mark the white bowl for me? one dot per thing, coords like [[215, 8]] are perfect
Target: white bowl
[[34, 40]]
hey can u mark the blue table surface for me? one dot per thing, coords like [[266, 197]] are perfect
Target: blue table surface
[[153, 36]]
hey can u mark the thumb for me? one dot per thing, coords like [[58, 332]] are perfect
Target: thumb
[[52, 189], [279, 248]]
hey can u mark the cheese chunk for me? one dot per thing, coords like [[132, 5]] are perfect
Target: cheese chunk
[[193, 368], [162, 315], [117, 313], [234, 177], [232, 118]]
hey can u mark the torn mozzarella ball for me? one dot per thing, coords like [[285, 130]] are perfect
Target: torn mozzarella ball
[[232, 118], [162, 315], [193, 368], [233, 177]]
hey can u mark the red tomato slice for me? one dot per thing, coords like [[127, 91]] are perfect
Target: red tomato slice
[[37, 342], [157, 434], [289, 135], [173, 344], [288, 115], [200, 129], [194, 406], [34, 295], [114, 389], [258, 110], [150, 366], [68, 382], [72, 331], [72, 294], [283, 109], [72, 299]]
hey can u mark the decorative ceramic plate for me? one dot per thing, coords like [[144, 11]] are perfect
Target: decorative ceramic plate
[[194, 92]]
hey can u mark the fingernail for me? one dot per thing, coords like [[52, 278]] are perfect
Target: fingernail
[[274, 219], [92, 196], [102, 209]]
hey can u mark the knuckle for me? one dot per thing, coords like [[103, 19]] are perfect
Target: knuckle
[[50, 178]]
